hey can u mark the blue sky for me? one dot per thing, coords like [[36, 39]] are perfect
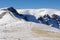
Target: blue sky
[[30, 3]]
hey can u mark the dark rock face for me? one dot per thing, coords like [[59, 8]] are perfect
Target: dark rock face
[[26, 17], [12, 9], [54, 16], [54, 21], [15, 13], [1, 15]]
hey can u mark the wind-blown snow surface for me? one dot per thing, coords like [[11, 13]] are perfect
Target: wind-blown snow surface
[[12, 28]]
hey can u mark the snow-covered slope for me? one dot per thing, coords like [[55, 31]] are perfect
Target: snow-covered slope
[[15, 28], [28, 31], [7, 17]]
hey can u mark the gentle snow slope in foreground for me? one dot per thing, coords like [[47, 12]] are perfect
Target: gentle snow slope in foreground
[[12, 28], [28, 31]]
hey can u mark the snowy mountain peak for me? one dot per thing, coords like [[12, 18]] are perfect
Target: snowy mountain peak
[[29, 24], [44, 16]]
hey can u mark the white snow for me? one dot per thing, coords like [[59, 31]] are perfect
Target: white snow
[[39, 12], [12, 28]]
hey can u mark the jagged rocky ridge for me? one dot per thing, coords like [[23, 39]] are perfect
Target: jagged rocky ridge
[[53, 21]]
